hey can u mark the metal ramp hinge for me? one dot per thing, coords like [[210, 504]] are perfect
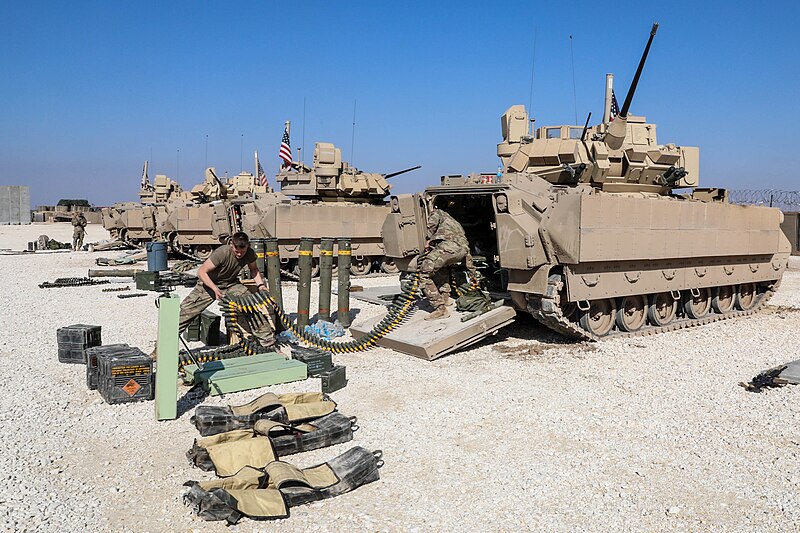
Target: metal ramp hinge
[[529, 241]]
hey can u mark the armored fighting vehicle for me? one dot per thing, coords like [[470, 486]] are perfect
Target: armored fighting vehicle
[[136, 222], [196, 226], [600, 231], [193, 222], [330, 199]]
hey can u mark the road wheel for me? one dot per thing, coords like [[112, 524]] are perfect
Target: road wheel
[[746, 296], [722, 302], [388, 266], [360, 267], [599, 318], [202, 251], [697, 306], [632, 312], [662, 309]]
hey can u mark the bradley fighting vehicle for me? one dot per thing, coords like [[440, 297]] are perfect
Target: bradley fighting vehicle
[[135, 222], [197, 226], [193, 222], [331, 199], [601, 231]]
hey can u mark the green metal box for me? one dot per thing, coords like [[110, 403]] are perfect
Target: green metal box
[[334, 379]]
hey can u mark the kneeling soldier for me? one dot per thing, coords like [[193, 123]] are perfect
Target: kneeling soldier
[[448, 245]]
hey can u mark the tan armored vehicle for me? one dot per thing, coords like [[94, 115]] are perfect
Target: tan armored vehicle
[[196, 225], [136, 222], [331, 199], [193, 222], [602, 231]]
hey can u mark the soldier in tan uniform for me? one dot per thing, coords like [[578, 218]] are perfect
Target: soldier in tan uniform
[[219, 275], [78, 231], [447, 245]]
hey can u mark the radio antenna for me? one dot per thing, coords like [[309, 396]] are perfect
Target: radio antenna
[[303, 143], [353, 138], [574, 92], [533, 66]]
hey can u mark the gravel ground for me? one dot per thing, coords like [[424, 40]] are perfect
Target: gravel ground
[[522, 432]]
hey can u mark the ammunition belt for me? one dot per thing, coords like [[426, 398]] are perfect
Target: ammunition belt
[[71, 282], [234, 309], [207, 355], [116, 289], [132, 295]]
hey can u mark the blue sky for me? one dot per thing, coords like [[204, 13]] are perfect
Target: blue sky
[[92, 89]]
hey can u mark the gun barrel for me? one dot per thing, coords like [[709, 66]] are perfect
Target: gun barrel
[[632, 89], [219, 182], [393, 174]]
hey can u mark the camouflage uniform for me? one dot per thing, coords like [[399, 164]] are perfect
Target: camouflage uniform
[[448, 245], [78, 223], [201, 297]]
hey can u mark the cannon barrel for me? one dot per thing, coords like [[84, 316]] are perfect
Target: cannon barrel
[[632, 89], [393, 174], [617, 130]]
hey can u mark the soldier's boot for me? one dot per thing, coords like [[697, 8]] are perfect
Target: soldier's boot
[[445, 290], [440, 312]]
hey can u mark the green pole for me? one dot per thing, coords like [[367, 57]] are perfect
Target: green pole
[[325, 276], [169, 309], [259, 247], [274, 270], [343, 271], [304, 285]]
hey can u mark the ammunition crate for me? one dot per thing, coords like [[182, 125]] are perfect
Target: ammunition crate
[[204, 328], [124, 378], [334, 379], [95, 353], [317, 361], [146, 281], [73, 341]]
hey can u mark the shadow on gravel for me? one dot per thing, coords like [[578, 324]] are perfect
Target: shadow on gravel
[[539, 339], [191, 399]]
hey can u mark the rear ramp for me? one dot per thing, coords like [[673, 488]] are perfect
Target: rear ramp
[[432, 339]]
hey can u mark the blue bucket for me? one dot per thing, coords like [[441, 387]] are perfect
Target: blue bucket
[[156, 256]]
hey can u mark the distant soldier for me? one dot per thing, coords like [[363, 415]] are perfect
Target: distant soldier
[[78, 230], [219, 275], [447, 245]]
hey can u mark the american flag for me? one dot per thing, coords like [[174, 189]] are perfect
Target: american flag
[[285, 153], [614, 106], [262, 178]]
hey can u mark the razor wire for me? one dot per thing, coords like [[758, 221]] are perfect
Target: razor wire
[[785, 200]]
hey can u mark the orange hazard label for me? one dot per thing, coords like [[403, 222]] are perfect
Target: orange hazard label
[[131, 387]]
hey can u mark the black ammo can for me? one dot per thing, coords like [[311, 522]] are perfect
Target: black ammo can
[[334, 379], [317, 361], [74, 340], [204, 328], [125, 377]]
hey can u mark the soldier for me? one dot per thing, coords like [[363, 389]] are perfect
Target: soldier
[[78, 231], [447, 245], [219, 275]]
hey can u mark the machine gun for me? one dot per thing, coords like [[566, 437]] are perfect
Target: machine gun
[[163, 282]]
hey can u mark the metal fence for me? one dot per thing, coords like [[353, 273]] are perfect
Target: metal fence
[[785, 200]]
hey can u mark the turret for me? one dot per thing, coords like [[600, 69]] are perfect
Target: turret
[[211, 189], [331, 179]]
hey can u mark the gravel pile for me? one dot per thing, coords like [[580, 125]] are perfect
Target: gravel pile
[[523, 431]]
